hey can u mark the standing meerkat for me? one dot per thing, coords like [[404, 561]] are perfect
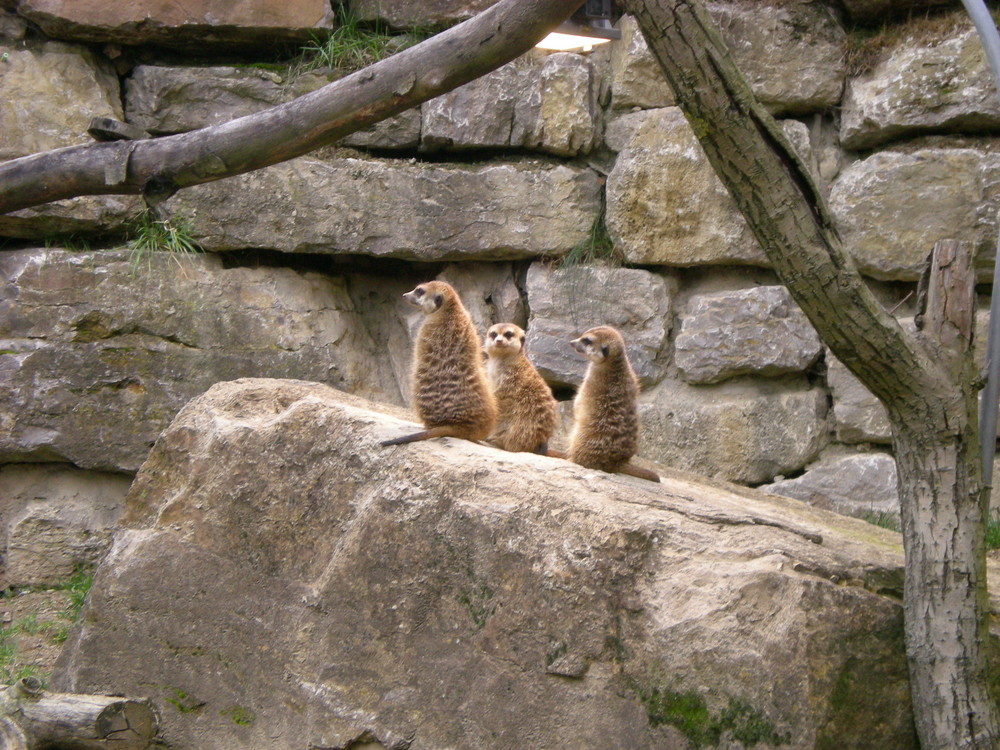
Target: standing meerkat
[[450, 392], [527, 410], [605, 411]]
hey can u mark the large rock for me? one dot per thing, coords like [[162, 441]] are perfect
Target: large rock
[[743, 431], [285, 582], [922, 88], [74, 220], [194, 23], [97, 358], [750, 331], [636, 78], [893, 206], [566, 302], [790, 53], [173, 99], [545, 103], [50, 93], [54, 519], [859, 417], [400, 209], [859, 484], [409, 14], [666, 205]]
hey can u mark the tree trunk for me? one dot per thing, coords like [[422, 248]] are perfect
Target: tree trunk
[[927, 386], [31, 719], [158, 167]]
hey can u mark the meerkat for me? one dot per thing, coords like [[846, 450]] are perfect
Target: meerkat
[[527, 410], [450, 392], [605, 431]]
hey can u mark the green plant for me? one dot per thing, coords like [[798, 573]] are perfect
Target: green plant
[[993, 531], [150, 234], [597, 247], [77, 586], [353, 46], [239, 715], [71, 243], [883, 518]]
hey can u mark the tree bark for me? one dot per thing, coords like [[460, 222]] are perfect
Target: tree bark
[[161, 166], [926, 387], [32, 718]]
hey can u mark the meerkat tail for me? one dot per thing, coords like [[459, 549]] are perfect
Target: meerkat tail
[[636, 471], [433, 432], [553, 453]]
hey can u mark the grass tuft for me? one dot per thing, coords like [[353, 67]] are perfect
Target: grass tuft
[[352, 46], [150, 234]]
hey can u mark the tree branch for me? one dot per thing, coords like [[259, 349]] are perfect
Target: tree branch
[[779, 199], [161, 166]]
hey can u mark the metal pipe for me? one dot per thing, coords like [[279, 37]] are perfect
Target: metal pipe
[[990, 39]]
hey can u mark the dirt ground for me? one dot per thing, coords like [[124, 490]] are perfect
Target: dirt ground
[[33, 627]]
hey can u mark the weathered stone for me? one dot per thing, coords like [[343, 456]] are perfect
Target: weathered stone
[[879, 11], [408, 14], [433, 595], [173, 99], [566, 302], [401, 209], [50, 93], [540, 102], [859, 484], [943, 87], [167, 22], [488, 291], [75, 218], [790, 53], [55, 518], [893, 206], [747, 432], [666, 205], [760, 331], [479, 114], [636, 78], [858, 416], [97, 358], [12, 27], [564, 122]]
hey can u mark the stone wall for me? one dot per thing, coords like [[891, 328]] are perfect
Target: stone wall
[[490, 187]]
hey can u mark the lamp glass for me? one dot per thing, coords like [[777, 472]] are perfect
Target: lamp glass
[[565, 42]]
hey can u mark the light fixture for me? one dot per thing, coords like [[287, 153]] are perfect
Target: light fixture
[[589, 26]]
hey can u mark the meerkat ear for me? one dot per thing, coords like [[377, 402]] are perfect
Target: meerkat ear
[[605, 349], [522, 340], [438, 300]]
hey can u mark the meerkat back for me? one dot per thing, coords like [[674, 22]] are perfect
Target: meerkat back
[[605, 420], [450, 392]]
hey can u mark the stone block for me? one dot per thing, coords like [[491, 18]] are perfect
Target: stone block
[[757, 331], [566, 302]]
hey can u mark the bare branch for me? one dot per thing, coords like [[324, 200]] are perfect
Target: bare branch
[[161, 166]]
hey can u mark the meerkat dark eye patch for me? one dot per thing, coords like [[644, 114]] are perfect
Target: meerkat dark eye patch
[[419, 291], [509, 335], [493, 334], [586, 342]]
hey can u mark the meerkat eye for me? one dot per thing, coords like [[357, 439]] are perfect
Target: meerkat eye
[[493, 334], [586, 341], [419, 291], [509, 335]]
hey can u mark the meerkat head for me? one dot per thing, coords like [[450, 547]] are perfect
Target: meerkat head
[[504, 340], [431, 296], [599, 344]]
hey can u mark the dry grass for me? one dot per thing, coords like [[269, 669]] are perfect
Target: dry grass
[[864, 48]]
